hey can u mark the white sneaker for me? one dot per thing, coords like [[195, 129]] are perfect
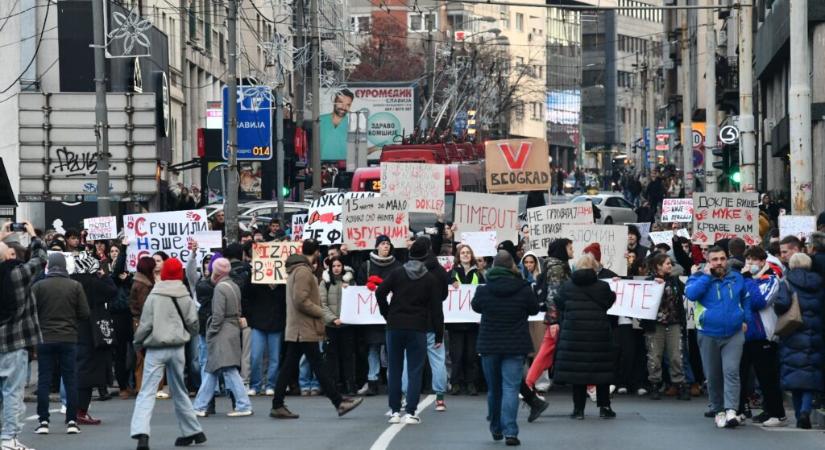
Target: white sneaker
[[237, 413], [775, 422], [612, 389], [591, 392], [720, 419], [410, 419], [364, 389], [200, 413], [622, 391], [162, 395], [43, 428], [394, 418], [252, 392], [731, 419], [641, 392], [63, 409], [72, 428], [14, 444], [270, 392]]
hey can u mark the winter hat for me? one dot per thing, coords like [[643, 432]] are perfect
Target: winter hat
[[382, 238], [509, 247], [420, 248], [504, 260], [220, 269], [594, 249], [172, 270]]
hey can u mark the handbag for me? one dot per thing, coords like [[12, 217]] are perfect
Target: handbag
[[103, 327], [791, 320]]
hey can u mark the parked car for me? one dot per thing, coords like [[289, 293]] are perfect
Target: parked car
[[612, 208]]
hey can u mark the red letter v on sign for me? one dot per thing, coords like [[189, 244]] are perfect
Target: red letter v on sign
[[516, 161]]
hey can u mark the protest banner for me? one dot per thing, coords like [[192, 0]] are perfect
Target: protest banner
[[422, 185], [170, 232], [483, 243], [644, 230], [636, 298], [297, 228], [666, 237], [611, 238], [209, 239], [359, 307], [800, 226], [365, 219], [725, 215], [677, 210], [517, 165], [487, 212], [446, 262], [100, 228], [545, 222], [269, 261], [324, 217]]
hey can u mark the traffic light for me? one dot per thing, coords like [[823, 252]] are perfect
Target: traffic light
[[285, 191], [471, 122], [727, 164]]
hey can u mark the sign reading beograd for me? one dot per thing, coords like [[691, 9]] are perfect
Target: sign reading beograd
[[517, 165]]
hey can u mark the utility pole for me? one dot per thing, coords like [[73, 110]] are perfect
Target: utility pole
[[279, 129], [430, 70], [687, 107], [710, 99], [630, 135], [300, 74], [101, 115], [799, 111], [747, 136], [650, 109], [231, 194], [316, 99]]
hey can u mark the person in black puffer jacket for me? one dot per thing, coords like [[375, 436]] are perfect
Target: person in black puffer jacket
[[586, 352], [505, 303], [122, 316]]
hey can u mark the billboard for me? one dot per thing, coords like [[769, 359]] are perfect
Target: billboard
[[383, 113]]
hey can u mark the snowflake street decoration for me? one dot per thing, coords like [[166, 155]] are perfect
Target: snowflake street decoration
[[251, 97], [279, 50], [130, 30]]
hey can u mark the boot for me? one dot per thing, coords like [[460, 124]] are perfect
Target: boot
[[537, 406], [198, 438], [143, 441], [684, 392], [655, 393], [373, 388]]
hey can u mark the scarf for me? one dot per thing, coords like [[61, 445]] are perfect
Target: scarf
[[382, 261]]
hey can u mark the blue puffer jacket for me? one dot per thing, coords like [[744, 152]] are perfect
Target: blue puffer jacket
[[759, 314], [719, 302], [801, 353]]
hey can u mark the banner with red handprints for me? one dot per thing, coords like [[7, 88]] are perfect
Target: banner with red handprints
[[365, 219], [422, 185], [725, 215], [323, 221], [169, 232], [269, 261]]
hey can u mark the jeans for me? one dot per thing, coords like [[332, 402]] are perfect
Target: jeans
[[544, 357], [234, 384], [763, 356], [193, 357], [405, 346], [503, 374], [802, 402], [665, 339], [64, 354], [437, 358], [261, 341], [688, 368], [720, 359], [12, 384], [374, 361], [203, 355], [306, 379], [293, 352], [155, 361]]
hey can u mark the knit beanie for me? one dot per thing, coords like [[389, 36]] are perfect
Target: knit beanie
[[172, 270], [420, 248], [382, 238], [220, 269], [594, 249], [509, 247]]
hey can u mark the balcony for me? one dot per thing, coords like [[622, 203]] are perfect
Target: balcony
[[727, 80]]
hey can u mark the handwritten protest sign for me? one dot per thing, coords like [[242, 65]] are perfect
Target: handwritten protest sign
[[269, 261], [209, 239], [611, 238], [446, 262], [169, 232], [324, 217], [677, 210], [483, 243], [636, 298], [359, 307], [297, 229], [666, 237], [420, 184], [545, 223], [725, 215], [100, 228], [517, 165], [799, 226], [644, 230], [487, 212], [365, 219]]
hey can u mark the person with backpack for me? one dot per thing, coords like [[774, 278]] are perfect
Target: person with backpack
[[168, 321]]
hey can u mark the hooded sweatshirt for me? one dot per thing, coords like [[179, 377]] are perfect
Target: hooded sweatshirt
[[160, 324], [415, 301]]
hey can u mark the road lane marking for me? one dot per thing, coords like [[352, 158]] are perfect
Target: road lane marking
[[389, 434]]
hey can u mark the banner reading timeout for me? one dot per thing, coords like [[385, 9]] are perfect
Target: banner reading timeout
[[269, 261], [487, 212]]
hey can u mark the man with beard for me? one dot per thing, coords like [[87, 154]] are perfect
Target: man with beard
[[335, 126]]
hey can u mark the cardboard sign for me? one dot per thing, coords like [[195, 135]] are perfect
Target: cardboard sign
[[517, 165], [209, 239], [359, 307], [800, 226], [169, 232], [365, 219], [666, 237], [644, 230], [269, 259], [725, 215], [100, 228], [483, 243], [677, 210], [611, 238], [446, 262], [487, 212], [636, 298], [297, 228], [422, 185], [545, 222], [324, 217]]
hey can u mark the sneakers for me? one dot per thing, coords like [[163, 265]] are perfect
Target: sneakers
[[655, 391], [63, 409], [440, 405], [186, 441], [537, 406], [641, 392], [72, 428], [395, 418], [200, 413], [162, 395], [348, 404], [314, 392], [591, 392], [455, 389], [622, 391], [606, 413], [512, 441], [270, 392], [43, 428], [775, 422], [304, 392], [252, 392], [282, 413], [412, 419], [14, 444], [720, 419], [237, 413], [731, 419], [364, 389], [761, 417]]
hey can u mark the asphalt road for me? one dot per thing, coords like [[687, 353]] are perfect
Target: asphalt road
[[641, 424]]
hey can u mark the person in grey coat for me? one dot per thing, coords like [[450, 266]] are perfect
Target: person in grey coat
[[223, 343], [168, 321]]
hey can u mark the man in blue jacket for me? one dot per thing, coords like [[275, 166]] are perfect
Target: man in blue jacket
[[720, 296]]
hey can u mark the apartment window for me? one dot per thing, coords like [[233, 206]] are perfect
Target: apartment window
[[193, 22], [535, 111], [519, 111], [222, 47], [360, 23], [457, 21], [519, 22], [505, 20], [418, 22], [207, 26]]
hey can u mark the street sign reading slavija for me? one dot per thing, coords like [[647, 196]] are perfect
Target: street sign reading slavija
[[254, 109]]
